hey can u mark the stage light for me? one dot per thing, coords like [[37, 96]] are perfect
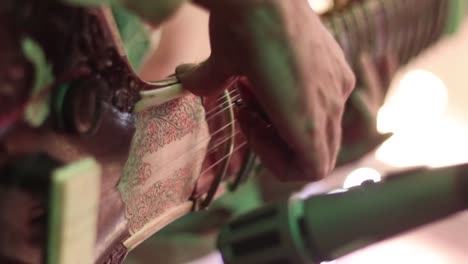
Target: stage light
[[357, 177]]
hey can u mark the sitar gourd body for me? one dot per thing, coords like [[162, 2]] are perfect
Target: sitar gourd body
[[153, 164]]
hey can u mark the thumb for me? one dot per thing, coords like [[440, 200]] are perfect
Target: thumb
[[204, 79]]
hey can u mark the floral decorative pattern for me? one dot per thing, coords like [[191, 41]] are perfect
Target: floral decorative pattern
[[145, 195]]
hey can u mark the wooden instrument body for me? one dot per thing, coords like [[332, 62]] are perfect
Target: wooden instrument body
[[185, 142], [83, 44]]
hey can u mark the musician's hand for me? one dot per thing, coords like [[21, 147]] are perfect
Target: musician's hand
[[295, 70], [360, 135]]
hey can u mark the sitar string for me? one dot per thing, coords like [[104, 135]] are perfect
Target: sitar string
[[232, 104], [210, 136], [233, 99], [203, 141], [230, 93], [236, 149], [198, 147], [211, 149], [223, 141], [228, 125], [222, 106]]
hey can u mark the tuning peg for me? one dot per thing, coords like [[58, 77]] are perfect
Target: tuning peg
[[77, 106]]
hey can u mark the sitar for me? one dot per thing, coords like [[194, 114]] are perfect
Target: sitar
[[98, 160]]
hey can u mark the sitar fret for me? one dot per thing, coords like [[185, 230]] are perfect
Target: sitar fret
[[402, 27]]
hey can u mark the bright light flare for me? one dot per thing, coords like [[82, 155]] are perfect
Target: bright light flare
[[423, 135], [321, 6], [213, 258], [357, 177], [338, 191], [440, 144], [406, 251], [420, 98]]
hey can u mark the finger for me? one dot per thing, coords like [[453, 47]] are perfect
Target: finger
[[272, 150], [366, 108], [390, 68], [372, 80], [319, 162], [334, 141], [204, 79]]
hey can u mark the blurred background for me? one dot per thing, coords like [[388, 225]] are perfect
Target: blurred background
[[426, 109]]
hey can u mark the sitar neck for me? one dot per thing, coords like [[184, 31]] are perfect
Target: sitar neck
[[401, 27]]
